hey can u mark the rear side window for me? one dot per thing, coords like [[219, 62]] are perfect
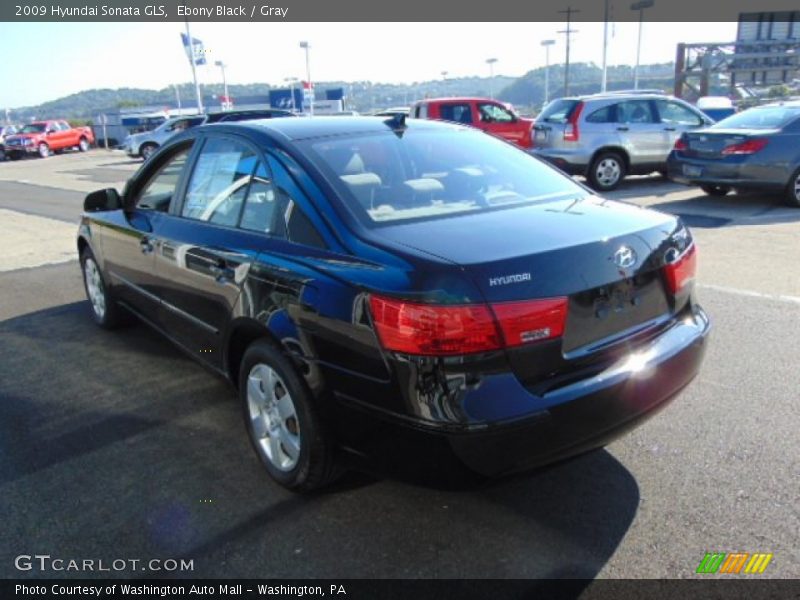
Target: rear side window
[[602, 115], [458, 113], [558, 111], [635, 111], [219, 182]]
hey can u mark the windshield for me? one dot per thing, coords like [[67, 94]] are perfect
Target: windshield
[[34, 128], [558, 111], [763, 117], [387, 178]]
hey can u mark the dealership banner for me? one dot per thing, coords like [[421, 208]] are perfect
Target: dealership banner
[[368, 10], [405, 589]]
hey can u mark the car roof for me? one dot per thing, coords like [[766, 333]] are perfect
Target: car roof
[[458, 99], [783, 103], [315, 127], [618, 96]]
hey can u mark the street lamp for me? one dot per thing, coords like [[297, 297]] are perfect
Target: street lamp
[[222, 66], [306, 46], [547, 44], [640, 6], [291, 81], [490, 62]]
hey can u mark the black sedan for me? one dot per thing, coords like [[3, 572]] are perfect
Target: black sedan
[[390, 290], [756, 149]]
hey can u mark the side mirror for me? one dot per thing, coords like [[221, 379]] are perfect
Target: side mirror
[[107, 199]]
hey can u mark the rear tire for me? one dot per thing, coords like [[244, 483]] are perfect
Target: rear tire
[[606, 171], [715, 190], [105, 311], [792, 195], [282, 422], [44, 150]]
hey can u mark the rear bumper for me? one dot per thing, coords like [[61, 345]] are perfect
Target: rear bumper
[[571, 164], [581, 416], [740, 174]]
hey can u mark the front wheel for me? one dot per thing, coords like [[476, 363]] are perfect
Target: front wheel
[[83, 145], [606, 171], [715, 190], [44, 150], [147, 150], [105, 311], [792, 195], [282, 422]]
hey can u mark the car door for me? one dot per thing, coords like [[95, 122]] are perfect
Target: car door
[[129, 242], [203, 254], [499, 121], [676, 118], [640, 132]]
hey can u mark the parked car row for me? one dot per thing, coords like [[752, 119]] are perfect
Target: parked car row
[[142, 145]]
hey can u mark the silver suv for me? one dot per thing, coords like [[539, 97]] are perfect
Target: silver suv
[[608, 136]]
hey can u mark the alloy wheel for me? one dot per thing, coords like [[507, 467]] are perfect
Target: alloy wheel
[[94, 288], [273, 417], [608, 172]]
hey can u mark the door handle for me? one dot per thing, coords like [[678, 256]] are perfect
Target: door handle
[[146, 245], [623, 128], [221, 272], [669, 129]]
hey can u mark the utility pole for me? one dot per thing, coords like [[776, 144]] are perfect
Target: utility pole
[[640, 6], [490, 62], [177, 97], [306, 46], [603, 81], [568, 33], [547, 44]]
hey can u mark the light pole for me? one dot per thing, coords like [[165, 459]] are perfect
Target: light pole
[[306, 46], [547, 44], [604, 79], [640, 6], [291, 81], [490, 62], [222, 66]]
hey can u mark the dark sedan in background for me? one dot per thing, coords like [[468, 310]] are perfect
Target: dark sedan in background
[[756, 149], [395, 290]]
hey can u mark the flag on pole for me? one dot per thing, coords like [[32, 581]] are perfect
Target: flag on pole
[[194, 52]]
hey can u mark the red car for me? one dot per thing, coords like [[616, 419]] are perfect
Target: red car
[[46, 137], [484, 113]]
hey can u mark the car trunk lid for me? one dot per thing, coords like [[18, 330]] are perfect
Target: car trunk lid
[[710, 143], [604, 257]]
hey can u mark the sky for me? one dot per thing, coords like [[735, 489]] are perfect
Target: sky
[[79, 56]]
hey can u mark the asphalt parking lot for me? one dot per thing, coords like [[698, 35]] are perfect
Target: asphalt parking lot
[[114, 445]]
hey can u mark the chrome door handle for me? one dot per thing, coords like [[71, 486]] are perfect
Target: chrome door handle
[[221, 273], [146, 245], [669, 129]]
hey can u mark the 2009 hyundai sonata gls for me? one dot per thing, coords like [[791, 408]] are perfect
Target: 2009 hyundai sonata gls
[[379, 288]]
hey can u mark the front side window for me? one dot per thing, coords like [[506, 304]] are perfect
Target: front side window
[[492, 113], [635, 111], [383, 178], [219, 182], [157, 193], [458, 113], [677, 114]]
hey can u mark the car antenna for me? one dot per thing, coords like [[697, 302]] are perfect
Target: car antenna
[[397, 123]]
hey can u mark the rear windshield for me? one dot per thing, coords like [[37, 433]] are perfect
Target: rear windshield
[[386, 178], [558, 111], [762, 117]]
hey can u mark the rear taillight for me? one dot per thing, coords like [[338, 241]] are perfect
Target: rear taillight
[[748, 147], [571, 133], [448, 330], [531, 321], [681, 271], [680, 145]]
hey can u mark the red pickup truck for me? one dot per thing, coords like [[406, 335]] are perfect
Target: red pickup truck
[[484, 113], [45, 137]]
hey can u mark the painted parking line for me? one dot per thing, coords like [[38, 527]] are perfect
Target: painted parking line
[[32, 241], [750, 293]]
